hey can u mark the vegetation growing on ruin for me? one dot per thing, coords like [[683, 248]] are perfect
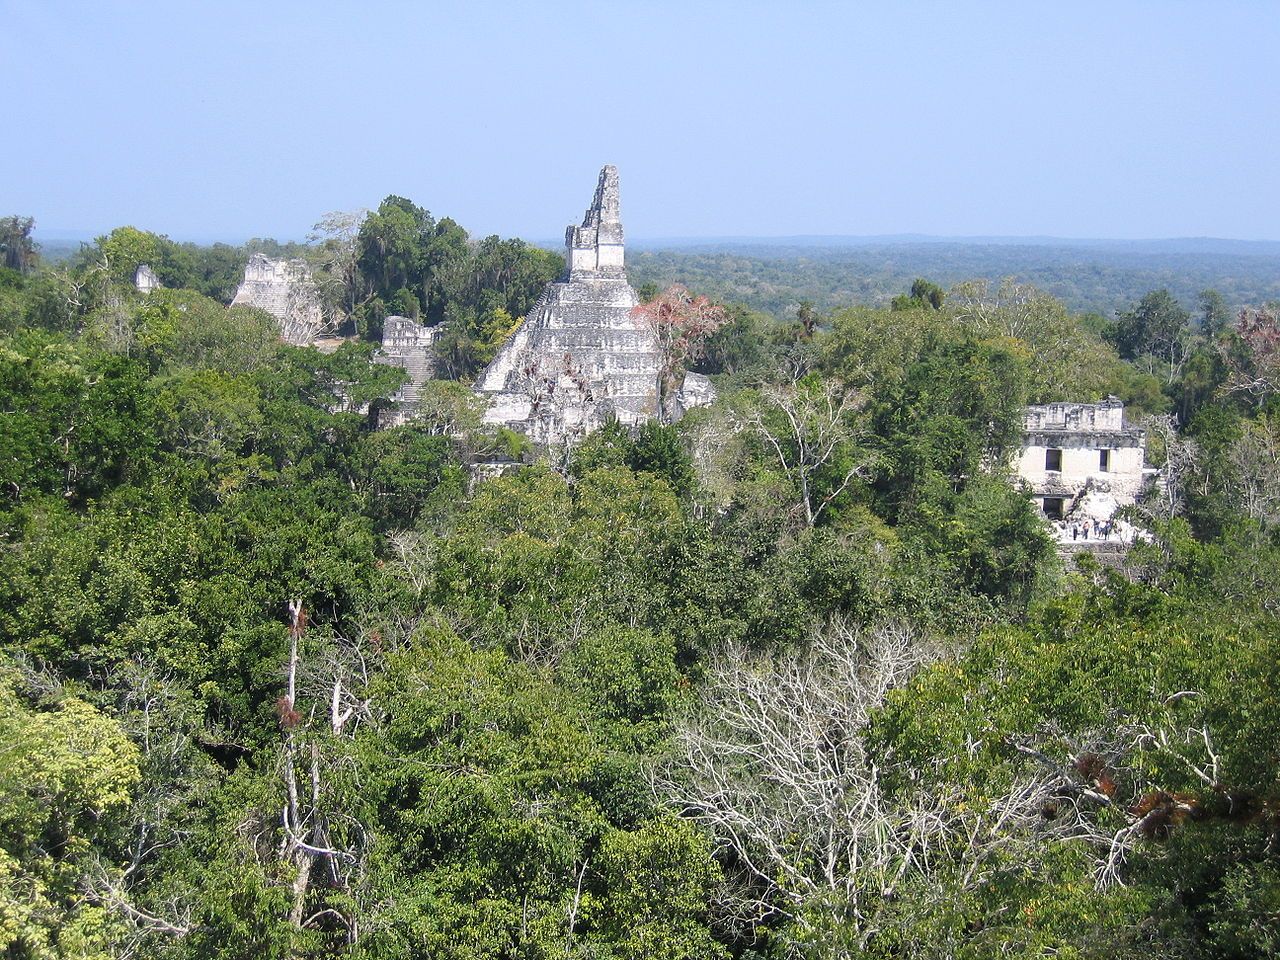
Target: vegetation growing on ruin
[[800, 675]]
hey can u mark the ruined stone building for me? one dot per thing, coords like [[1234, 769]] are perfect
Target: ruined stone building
[[1082, 459], [580, 355], [411, 346], [286, 290], [145, 279]]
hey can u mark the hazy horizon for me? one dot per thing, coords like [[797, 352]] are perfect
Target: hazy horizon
[[990, 119], [65, 236]]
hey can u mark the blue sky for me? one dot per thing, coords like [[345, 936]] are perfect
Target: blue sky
[[235, 119]]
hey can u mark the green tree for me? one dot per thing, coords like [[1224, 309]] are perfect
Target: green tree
[[1066, 360], [1215, 315], [952, 409], [658, 881], [406, 470], [209, 415], [16, 245], [1156, 327], [214, 271], [67, 772], [1144, 718], [391, 246], [124, 249], [741, 346], [812, 429], [924, 295], [629, 680], [77, 422], [14, 299]]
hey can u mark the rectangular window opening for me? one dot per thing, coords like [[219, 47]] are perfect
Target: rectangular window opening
[[1053, 460], [1053, 507]]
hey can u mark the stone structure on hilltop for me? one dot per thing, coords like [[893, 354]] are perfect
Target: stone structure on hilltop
[[580, 355], [411, 346], [285, 289], [145, 279], [1083, 462]]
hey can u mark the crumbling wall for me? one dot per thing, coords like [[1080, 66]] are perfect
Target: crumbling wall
[[1073, 450], [286, 290], [145, 279], [410, 346], [580, 355]]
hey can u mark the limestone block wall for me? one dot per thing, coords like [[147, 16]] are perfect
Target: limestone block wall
[[285, 289], [1074, 449], [410, 346], [696, 391], [145, 279], [580, 355], [1081, 465], [1093, 417], [597, 247]]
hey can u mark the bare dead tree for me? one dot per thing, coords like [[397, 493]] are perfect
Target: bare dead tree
[[1009, 309], [1105, 798], [1063, 360], [811, 425], [157, 716], [84, 288], [326, 683], [447, 409], [775, 762], [110, 886], [414, 558], [337, 234], [1255, 367], [306, 316], [1181, 461]]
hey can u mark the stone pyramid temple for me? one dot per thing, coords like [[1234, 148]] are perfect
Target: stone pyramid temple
[[286, 290], [580, 356], [411, 347]]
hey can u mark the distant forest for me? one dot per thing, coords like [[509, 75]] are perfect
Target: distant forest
[[1089, 277]]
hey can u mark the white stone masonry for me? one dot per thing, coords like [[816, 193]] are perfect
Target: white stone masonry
[[411, 346], [145, 279], [1082, 459], [286, 290], [580, 355]]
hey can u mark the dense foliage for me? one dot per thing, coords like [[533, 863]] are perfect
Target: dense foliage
[[799, 676], [414, 265]]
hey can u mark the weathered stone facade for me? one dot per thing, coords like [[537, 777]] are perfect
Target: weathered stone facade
[[145, 279], [286, 290], [580, 355], [411, 346], [695, 391], [1082, 459]]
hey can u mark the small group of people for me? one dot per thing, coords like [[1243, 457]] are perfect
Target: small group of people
[[1086, 529]]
